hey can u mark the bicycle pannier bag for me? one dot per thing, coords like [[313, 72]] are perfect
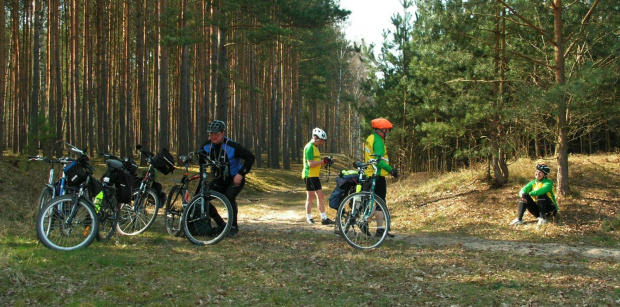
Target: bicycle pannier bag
[[345, 184], [75, 174], [163, 162], [124, 185]]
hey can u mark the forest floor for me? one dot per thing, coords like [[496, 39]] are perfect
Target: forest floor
[[453, 247], [259, 215]]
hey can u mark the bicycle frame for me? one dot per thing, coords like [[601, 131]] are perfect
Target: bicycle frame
[[185, 180], [204, 184], [52, 173], [368, 210]]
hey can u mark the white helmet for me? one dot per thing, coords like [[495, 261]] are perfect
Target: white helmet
[[319, 133]]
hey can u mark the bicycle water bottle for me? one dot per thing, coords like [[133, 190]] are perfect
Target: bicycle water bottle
[[357, 200], [98, 200]]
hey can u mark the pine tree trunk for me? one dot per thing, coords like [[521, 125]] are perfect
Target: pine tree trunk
[[221, 112], [562, 115], [144, 115], [36, 80], [164, 117], [2, 79]]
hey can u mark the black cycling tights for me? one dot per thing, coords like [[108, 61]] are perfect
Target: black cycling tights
[[542, 205]]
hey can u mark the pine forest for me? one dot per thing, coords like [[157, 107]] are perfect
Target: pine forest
[[464, 82]]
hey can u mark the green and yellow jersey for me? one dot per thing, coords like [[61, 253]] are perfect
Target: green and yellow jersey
[[375, 145], [536, 188], [311, 153]]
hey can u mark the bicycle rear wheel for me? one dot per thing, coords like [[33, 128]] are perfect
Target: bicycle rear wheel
[[208, 224], [108, 219], [63, 225], [174, 211], [358, 223], [137, 217]]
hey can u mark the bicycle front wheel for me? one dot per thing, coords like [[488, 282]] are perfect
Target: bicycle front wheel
[[174, 211], [65, 225], [137, 217], [207, 222], [46, 195], [363, 224], [109, 215]]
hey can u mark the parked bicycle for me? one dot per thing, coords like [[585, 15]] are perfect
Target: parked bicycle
[[54, 187], [205, 219], [178, 197], [122, 172], [72, 221], [138, 215], [361, 214]]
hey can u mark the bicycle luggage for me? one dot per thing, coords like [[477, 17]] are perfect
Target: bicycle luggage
[[163, 162], [345, 184], [123, 183], [75, 174]]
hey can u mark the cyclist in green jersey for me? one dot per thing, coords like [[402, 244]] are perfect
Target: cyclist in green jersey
[[375, 145], [537, 197], [312, 169]]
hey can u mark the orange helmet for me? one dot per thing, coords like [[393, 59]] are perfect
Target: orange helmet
[[381, 123]]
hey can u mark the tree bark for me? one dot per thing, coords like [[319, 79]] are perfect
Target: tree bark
[[164, 117], [2, 79], [144, 115], [562, 115], [36, 80]]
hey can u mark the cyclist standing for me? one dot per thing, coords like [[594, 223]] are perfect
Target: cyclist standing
[[373, 147], [237, 162], [312, 169]]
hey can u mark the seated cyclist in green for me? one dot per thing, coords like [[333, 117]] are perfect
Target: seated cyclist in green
[[541, 188]]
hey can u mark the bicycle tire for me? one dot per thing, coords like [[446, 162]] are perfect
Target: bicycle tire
[[201, 229], [108, 215], [56, 234], [359, 232], [46, 195], [174, 211], [137, 217]]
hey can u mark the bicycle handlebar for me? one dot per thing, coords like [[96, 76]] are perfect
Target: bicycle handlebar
[[63, 160]]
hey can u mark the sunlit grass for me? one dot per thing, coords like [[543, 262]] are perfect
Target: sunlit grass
[[270, 264]]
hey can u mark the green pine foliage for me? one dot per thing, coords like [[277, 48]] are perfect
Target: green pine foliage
[[438, 80]]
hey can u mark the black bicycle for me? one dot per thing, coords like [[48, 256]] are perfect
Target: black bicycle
[[178, 198], [139, 214], [72, 221], [205, 219]]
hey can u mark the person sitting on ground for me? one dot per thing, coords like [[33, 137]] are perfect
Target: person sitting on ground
[[310, 174], [545, 205]]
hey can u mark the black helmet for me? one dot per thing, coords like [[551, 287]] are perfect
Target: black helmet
[[543, 168], [216, 126]]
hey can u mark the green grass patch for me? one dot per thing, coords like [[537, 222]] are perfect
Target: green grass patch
[[293, 264]]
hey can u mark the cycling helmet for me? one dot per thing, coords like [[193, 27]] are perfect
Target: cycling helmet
[[216, 126], [319, 133], [543, 168], [381, 123]]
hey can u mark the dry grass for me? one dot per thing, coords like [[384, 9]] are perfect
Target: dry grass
[[461, 203], [278, 260]]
